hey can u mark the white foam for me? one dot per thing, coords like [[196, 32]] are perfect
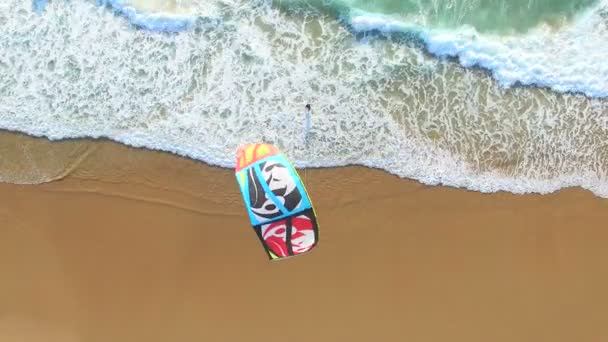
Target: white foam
[[165, 22], [571, 59], [179, 19], [79, 71]]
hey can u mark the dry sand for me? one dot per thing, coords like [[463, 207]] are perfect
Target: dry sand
[[137, 245]]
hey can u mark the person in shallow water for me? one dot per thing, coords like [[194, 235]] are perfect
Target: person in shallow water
[[307, 124]]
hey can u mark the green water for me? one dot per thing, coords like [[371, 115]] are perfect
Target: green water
[[498, 16]]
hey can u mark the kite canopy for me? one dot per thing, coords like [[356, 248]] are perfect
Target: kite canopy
[[277, 203]]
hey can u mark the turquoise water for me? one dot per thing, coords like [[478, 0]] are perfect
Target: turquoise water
[[499, 16], [241, 71]]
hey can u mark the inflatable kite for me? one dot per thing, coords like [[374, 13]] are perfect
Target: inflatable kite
[[277, 203]]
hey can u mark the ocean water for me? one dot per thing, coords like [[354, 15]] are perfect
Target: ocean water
[[487, 95]]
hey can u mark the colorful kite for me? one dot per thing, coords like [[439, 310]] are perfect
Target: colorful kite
[[279, 208]]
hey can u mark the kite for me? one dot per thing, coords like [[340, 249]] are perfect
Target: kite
[[278, 205]]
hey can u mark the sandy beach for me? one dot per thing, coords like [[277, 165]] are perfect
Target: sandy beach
[[136, 245], [102, 242]]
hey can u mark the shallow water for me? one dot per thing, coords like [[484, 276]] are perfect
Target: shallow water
[[78, 69], [497, 16]]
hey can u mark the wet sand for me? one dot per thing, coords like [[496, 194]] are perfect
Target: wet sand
[[135, 245]]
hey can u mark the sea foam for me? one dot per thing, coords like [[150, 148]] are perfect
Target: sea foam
[[159, 22], [570, 59], [78, 71], [567, 59]]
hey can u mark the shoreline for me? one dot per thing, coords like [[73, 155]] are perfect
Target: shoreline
[[105, 140]]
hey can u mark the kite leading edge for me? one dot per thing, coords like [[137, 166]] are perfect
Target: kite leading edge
[[277, 203]]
